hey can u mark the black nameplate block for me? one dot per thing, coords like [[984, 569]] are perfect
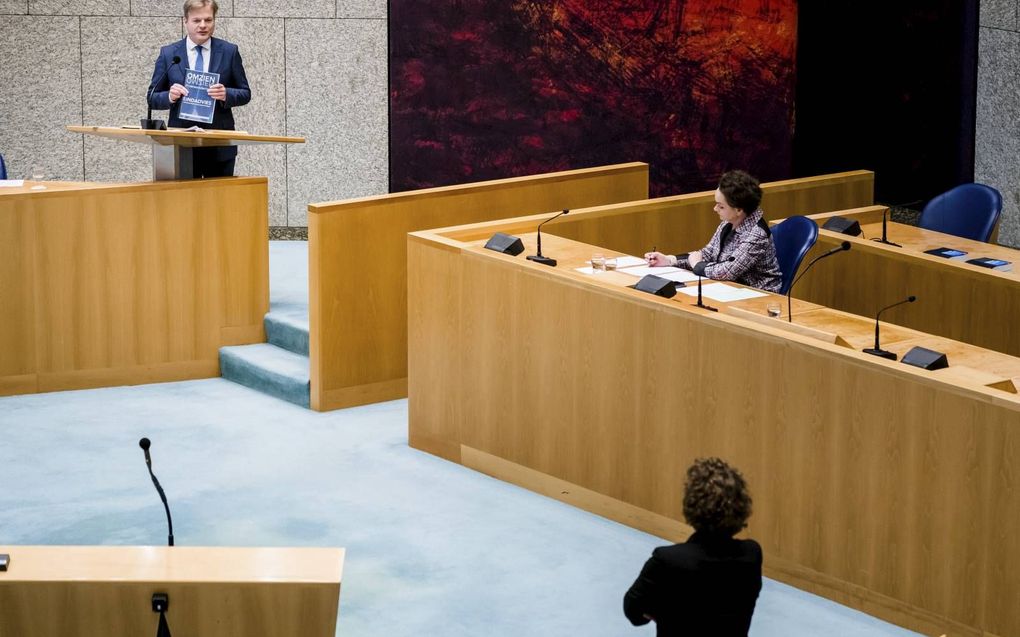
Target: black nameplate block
[[656, 285], [843, 225], [925, 358], [506, 244]]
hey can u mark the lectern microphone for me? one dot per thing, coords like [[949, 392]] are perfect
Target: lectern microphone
[[538, 258], [877, 350], [157, 124], [144, 443]]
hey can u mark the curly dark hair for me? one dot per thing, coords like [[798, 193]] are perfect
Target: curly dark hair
[[741, 190], [716, 499]]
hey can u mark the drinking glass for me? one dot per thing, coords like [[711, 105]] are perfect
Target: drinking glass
[[774, 310], [610, 264], [598, 262], [38, 174]]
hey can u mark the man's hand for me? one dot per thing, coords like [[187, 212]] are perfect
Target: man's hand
[[218, 92], [695, 258], [177, 91]]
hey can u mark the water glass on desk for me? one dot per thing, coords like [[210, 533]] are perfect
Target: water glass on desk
[[598, 262], [610, 264], [774, 310], [38, 174]]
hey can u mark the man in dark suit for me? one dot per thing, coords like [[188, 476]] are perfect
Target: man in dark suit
[[202, 52], [709, 584]]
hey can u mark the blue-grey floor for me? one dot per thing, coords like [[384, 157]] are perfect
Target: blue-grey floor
[[432, 548]]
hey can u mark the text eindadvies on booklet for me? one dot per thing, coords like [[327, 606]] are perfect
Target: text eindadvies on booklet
[[197, 106]]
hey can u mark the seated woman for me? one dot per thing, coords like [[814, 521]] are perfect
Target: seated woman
[[709, 584], [743, 235]]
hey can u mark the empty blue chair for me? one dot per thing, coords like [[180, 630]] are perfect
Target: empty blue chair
[[969, 211], [3, 168], [793, 238]]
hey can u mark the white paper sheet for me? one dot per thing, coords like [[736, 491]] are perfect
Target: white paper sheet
[[629, 262], [680, 275], [648, 269], [722, 292], [12, 183]]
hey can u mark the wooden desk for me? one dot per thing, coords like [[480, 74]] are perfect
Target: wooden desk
[[357, 251], [121, 284], [106, 591], [876, 484], [956, 300]]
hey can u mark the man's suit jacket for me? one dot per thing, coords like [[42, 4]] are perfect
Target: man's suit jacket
[[225, 60], [706, 586]]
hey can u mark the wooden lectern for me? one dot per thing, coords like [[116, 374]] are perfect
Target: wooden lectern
[[107, 591], [172, 149]]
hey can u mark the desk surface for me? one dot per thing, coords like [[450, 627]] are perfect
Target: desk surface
[[32, 187]]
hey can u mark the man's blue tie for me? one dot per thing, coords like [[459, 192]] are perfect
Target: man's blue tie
[[199, 62]]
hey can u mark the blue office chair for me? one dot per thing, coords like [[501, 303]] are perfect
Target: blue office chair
[[969, 211], [3, 168], [793, 238]]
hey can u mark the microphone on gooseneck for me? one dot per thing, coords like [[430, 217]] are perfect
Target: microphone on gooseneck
[[699, 303], [877, 350], [157, 124], [538, 258], [789, 293], [885, 230], [144, 443]]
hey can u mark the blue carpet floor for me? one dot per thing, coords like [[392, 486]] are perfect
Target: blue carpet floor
[[432, 548]]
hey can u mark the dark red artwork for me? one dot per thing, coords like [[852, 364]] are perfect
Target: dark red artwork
[[485, 89]]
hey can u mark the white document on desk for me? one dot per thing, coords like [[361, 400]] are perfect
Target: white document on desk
[[666, 272], [629, 262], [722, 292]]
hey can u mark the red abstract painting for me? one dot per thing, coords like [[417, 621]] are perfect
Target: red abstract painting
[[486, 89]]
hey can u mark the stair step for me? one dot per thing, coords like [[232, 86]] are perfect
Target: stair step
[[288, 330], [269, 369]]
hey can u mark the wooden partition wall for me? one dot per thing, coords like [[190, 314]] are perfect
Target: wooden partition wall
[[879, 485], [358, 273], [357, 268], [124, 284], [106, 591]]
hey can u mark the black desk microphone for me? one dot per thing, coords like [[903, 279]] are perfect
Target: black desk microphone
[[789, 293], [145, 444], [877, 350], [699, 303], [538, 258]]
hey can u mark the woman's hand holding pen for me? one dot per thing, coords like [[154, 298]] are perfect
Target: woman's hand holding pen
[[659, 259]]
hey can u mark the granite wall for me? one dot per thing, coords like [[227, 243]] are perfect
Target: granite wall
[[997, 147], [317, 70]]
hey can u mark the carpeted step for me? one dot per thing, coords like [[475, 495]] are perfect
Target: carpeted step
[[288, 330], [269, 369]]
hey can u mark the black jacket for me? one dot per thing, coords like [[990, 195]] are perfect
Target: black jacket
[[706, 586]]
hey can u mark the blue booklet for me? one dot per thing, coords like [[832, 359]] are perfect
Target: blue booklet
[[995, 264], [947, 253], [197, 106]]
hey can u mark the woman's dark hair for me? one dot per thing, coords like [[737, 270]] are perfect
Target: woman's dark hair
[[740, 190], [715, 497]]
